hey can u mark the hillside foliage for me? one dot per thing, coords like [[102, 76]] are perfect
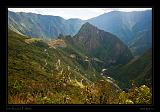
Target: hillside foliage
[[40, 74]]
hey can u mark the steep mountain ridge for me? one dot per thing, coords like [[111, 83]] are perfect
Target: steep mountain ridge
[[141, 42], [103, 45], [44, 26]]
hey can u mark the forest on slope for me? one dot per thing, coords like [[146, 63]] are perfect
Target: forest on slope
[[42, 73]]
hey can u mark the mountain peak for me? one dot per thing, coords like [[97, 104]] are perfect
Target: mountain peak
[[88, 25], [87, 29]]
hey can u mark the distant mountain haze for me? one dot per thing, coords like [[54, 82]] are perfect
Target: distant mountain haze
[[45, 26], [124, 24]]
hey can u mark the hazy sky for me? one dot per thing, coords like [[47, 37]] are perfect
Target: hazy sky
[[81, 13]]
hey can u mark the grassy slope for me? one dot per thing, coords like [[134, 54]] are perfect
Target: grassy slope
[[29, 77], [139, 70]]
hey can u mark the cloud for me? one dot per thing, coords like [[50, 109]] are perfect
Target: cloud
[[125, 9], [110, 9], [67, 13]]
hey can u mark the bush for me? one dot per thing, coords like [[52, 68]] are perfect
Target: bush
[[141, 95], [144, 95]]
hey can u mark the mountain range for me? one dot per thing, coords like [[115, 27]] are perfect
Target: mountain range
[[42, 26], [127, 26], [124, 24]]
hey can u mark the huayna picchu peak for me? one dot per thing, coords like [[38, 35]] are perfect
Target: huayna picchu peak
[[102, 45]]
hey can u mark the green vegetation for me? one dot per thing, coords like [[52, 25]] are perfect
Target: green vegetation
[[39, 74], [138, 69], [29, 77]]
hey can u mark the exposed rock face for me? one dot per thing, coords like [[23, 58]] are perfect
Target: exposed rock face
[[104, 45]]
